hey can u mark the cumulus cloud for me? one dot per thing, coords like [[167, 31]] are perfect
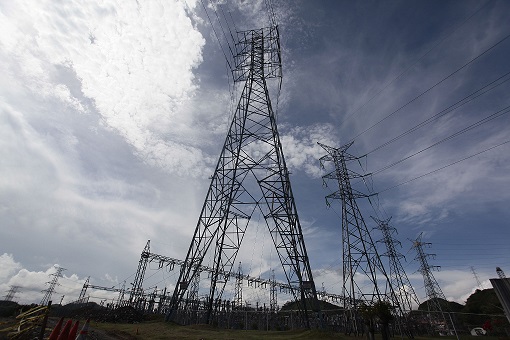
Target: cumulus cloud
[[137, 71], [301, 149], [8, 266]]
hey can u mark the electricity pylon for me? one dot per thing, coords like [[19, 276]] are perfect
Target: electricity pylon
[[13, 290], [432, 289], [136, 295], [52, 284], [478, 283], [501, 273], [81, 299], [251, 175], [365, 281], [238, 294], [398, 277], [273, 297]]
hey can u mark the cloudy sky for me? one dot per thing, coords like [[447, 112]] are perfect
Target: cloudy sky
[[113, 114]]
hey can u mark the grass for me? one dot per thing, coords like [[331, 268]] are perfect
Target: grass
[[157, 329]]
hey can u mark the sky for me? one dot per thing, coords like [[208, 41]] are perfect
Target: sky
[[113, 115]]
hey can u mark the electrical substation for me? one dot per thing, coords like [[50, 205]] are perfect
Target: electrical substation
[[247, 266], [251, 189]]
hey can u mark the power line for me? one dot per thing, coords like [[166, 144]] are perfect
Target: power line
[[432, 87], [444, 167], [216, 35], [221, 26], [472, 96], [413, 64], [456, 134]]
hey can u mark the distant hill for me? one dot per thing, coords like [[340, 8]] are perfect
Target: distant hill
[[485, 303], [445, 305]]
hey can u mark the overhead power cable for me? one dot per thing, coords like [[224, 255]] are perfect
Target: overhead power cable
[[215, 34], [472, 96], [493, 116], [228, 27], [446, 166], [413, 64], [433, 86]]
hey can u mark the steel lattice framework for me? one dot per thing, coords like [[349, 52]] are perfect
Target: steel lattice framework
[[13, 290], [434, 292], [52, 284], [365, 281], [398, 277], [251, 174], [238, 295], [137, 290]]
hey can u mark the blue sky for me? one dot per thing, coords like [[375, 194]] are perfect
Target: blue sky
[[113, 116]]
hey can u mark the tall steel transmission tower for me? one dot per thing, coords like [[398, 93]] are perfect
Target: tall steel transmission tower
[[364, 277], [501, 273], [136, 294], [238, 294], [434, 293], [398, 277], [251, 175], [52, 284], [478, 283], [13, 290]]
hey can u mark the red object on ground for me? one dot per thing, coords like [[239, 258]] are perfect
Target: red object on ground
[[64, 335], [56, 331], [84, 331], [73, 331]]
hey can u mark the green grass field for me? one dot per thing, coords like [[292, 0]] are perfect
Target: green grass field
[[162, 330]]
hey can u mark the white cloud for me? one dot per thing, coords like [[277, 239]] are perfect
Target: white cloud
[[134, 60], [8, 266], [301, 149]]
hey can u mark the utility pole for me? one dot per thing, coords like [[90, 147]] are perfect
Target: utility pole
[[363, 271], [13, 290], [52, 284], [251, 176], [434, 293]]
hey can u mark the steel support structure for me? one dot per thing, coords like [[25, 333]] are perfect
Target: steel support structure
[[52, 284], [365, 281], [250, 175], [434, 293], [137, 289], [398, 277], [13, 290], [273, 295], [83, 292], [238, 294], [501, 273]]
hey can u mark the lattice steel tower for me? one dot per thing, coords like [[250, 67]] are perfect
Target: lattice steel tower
[[52, 284], [137, 293], [251, 175], [364, 277], [398, 277], [432, 289], [238, 294], [13, 290]]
